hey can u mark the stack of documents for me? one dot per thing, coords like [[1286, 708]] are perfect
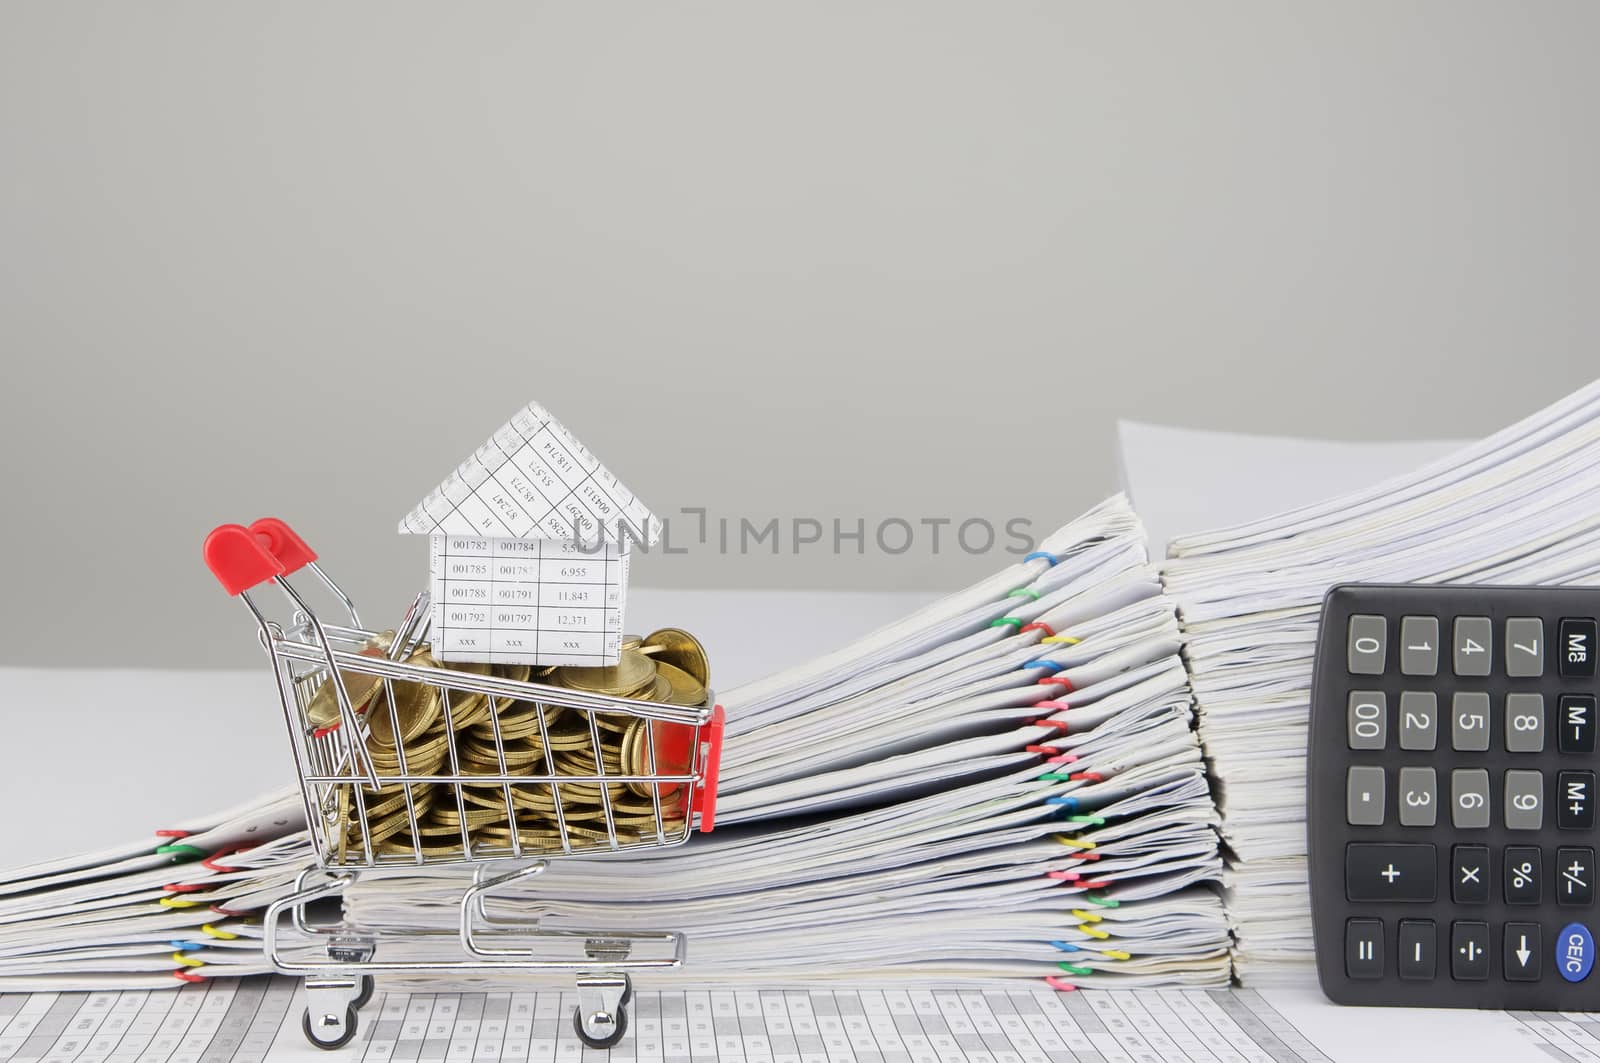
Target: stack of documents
[[1521, 507], [1006, 784], [143, 916]]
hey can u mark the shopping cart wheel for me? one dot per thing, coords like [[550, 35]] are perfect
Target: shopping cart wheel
[[369, 986], [601, 1017], [328, 1030], [601, 1029]]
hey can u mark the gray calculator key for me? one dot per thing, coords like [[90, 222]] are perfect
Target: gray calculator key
[[1419, 645], [1469, 798], [1419, 719], [1469, 721], [1525, 723], [1367, 646], [1368, 726], [1524, 647], [1473, 645], [1363, 796], [1418, 797], [1524, 800]]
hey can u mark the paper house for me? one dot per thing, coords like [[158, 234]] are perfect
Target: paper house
[[528, 554]]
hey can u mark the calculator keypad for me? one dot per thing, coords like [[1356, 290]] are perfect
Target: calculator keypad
[[1455, 725]]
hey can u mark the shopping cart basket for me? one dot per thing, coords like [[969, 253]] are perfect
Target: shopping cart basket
[[371, 781]]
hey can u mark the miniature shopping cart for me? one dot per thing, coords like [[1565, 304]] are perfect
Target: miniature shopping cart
[[366, 778]]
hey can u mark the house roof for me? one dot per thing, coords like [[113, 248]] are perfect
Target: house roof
[[534, 480]]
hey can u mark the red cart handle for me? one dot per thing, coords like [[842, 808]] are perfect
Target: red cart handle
[[705, 798], [282, 543], [242, 558], [238, 559]]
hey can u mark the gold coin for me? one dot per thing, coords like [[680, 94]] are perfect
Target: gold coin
[[404, 846], [532, 798], [377, 830], [477, 817], [424, 756], [632, 673], [682, 688], [570, 733], [323, 708], [520, 719], [415, 705], [393, 799], [677, 647], [541, 834], [484, 759], [674, 752], [671, 818]]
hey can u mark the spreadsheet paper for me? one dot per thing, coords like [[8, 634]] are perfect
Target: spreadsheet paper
[[251, 1020]]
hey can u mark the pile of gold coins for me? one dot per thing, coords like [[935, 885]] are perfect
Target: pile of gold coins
[[519, 738]]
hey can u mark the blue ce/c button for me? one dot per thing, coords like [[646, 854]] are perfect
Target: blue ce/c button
[[1574, 952]]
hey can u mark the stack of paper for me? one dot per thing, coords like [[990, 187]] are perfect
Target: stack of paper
[[1523, 506], [1005, 784], [137, 916]]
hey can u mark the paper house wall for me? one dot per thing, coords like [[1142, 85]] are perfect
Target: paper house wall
[[528, 549]]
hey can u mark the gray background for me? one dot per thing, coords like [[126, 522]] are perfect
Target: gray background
[[817, 260]]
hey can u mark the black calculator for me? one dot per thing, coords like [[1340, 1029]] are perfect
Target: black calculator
[[1450, 813]]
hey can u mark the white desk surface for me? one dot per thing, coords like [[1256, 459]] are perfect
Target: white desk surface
[[104, 756]]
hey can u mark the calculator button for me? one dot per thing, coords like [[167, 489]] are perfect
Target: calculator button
[[1419, 645], [1522, 874], [1367, 646], [1469, 874], [1577, 723], [1469, 951], [1525, 723], [1473, 645], [1524, 807], [1368, 719], [1363, 948], [1419, 719], [1469, 798], [1363, 796], [1520, 960], [1469, 721], [1524, 647], [1576, 647], [1387, 871], [1575, 875], [1418, 949], [1574, 952], [1575, 794], [1419, 805]]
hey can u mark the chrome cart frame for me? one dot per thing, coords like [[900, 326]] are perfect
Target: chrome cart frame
[[345, 771]]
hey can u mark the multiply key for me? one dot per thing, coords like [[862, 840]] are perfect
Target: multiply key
[[1469, 875]]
